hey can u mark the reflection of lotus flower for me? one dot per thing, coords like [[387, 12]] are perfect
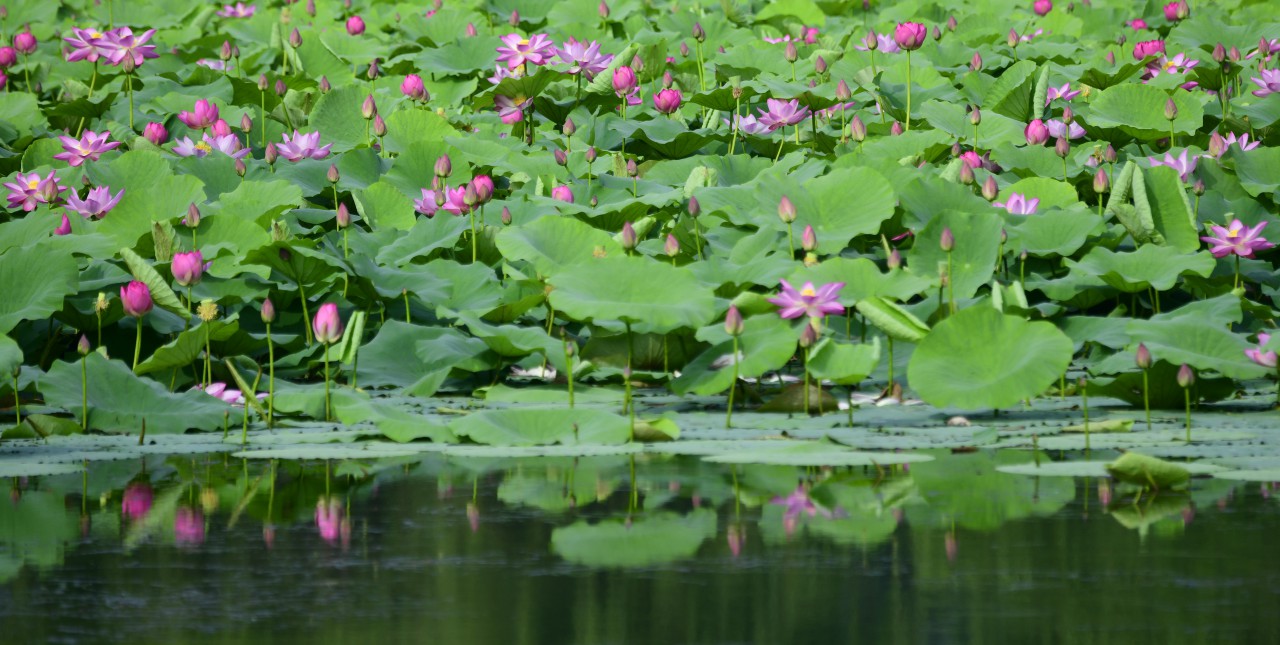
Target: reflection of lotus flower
[[1019, 204], [796, 503], [473, 516], [136, 502], [329, 519], [518, 50], [737, 536], [815, 303], [949, 544], [188, 527], [1260, 355]]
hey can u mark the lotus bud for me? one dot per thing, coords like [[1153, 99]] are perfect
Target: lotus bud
[[355, 25], [325, 86], [271, 153], [1170, 109], [809, 239], [1220, 53], [413, 88], [1186, 376], [1143, 357], [1264, 47], [1061, 147], [240, 168], [966, 174], [857, 129], [699, 34], [515, 18], [989, 189], [155, 133], [1109, 154], [1012, 40], [820, 65], [684, 50], [975, 115], [624, 80], [956, 149], [895, 129], [1198, 187], [1101, 183], [594, 201], [948, 240], [373, 69], [937, 33], [483, 185], [604, 10], [281, 88], [1067, 115], [311, 8], [790, 52], [471, 30], [220, 128], [975, 63], [843, 93], [327, 324], [224, 53], [1217, 144], [733, 323], [895, 260], [951, 23], [871, 41], [128, 65], [295, 38], [192, 220], [786, 210], [506, 216], [561, 158], [569, 128], [82, 347], [562, 193], [808, 336], [694, 208], [672, 246], [590, 154], [343, 218], [1036, 132], [629, 239], [637, 63], [268, 311], [379, 126], [187, 268], [1110, 57], [632, 169], [368, 109], [1233, 54], [135, 298], [444, 166], [25, 42], [469, 195]]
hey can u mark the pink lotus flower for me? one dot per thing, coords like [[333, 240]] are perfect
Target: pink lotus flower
[[188, 527], [229, 396], [413, 88], [1065, 93], [1036, 132], [1261, 355], [500, 72], [124, 45], [796, 504], [24, 42], [8, 56], [88, 147], [748, 125], [327, 324], [1148, 48], [155, 133], [583, 58], [214, 64], [511, 110], [536, 49], [1269, 82], [1184, 165], [1236, 239], [202, 116], [302, 146], [562, 193], [87, 44], [228, 145], [355, 25], [910, 35], [810, 35], [135, 298], [65, 227], [1059, 129], [1137, 24], [29, 190], [136, 501], [483, 185], [782, 113], [1177, 65], [329, 519], [238, 10], [96, 204], [187, 268], [971, 159], [1019, 205], [624, 81], [427, 205], [667, 101], [1218, 145], [1042, 7], [809, 301], [884, 43], [1176, 11], [455, 200]]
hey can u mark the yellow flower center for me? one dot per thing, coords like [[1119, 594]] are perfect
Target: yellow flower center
[[1168, 65], [31, 185], [204, 146], [94, 34], [808, 292], [524, 41]]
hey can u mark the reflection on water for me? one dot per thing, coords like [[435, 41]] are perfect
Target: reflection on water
[[621, 549]]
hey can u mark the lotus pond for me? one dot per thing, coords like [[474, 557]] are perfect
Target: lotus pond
[[709, 321]]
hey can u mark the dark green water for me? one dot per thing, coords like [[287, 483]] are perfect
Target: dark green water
[[946, 552]]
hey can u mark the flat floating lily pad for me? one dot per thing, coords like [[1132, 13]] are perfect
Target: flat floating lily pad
[[37, 470], [1088, 469], [572, 450], [818, 454]]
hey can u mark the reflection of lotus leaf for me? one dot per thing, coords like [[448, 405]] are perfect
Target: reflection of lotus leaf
[[655, 539], [969, 489]]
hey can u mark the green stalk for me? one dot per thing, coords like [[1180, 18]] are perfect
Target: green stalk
[[568, 359], [473, 235], [208, 369], [1237, 282], [26, 70], [778, 155], [806, 380], [328, 414], [306, 315], [263, 118], [1146, 396], [890, 339], [129, 80], [791, 243], [1187, 395], [1084, 398], [951, 287], [630, 403], [733, 140], [405, 293], [271, 380], [907, 126], [728, 417], [17, 399], [137, 346], [84, 393], [92, 83]]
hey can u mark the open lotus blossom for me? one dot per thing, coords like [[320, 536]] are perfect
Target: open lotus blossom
[[1266, 47], [455, 200], [87, 44], [1059, 129], [583, 58], [228, 395], [1261, 355], [202, 116], [884, 44], [1065, 93], [88, 147], [228, 145], [501, 72], [215, 64], [29, 190], [1137, 24], [1018, 204], [1268, 82], [748, 124], [1236, 239], [1148, 48], [1218, 144], [536, 49], [427, 205], [126, 45], [96, 204], [238, 10], [1179, 64], [1026, 38], [511, 110], [808, 301], [782, 113], [302, 146], [1183, 164]]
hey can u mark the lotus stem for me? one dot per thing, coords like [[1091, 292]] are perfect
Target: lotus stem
[[890, 339], [17, 399], [697, 237], [733, 125], [472, 212], [93, 81], [728, 417], [1146, 395], [791, 243], [951, 287], [1062, 386], [84, 393], [1084, 403], [405, 293], [806, 380], [208, 369], [873, 62], [306, 315], [1064, 169], [137, 346], [346, 253], [129, 80], [778, 155], [1186, 391], [328, 413], [271, 380], [1236, 285], [568, 359], [262, 116], [907, 125], [355, 360], [626, 379]]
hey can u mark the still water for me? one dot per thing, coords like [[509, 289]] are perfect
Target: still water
[[430, 549]]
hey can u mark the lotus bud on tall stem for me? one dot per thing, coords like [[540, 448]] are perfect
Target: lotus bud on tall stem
[[694, 210], [82, 348], [135, 298], [948, 242], [268, 312], [328, 330], [1170, 114], [1186, 379], [733, 324], [1143, 360], [808, 336], [787, 213]]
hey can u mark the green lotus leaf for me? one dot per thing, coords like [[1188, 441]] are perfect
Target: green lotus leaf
[[766, 344], [892, 319], [189, 345], [415, 358], [35, 282], [642, 542], [152, 193], [1197, 344], [1150, 266], [652, 296], [553, 243], [538, 426], [1148, 472], [973, 260], [1138, 110]]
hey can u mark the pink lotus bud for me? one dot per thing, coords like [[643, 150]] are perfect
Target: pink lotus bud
[[471, 30], [379, 126], [1109, 154], [569, 127], [515, 18], [281, 88], [871, 41], [1220, 52], [809, 239], [632, 169], [295, 38], [271, 154], [808, 336], [624, 80], [444, 166], [469, 196], [966, 174], [684, 50], [506, 216], [603, 9], [733, 323], [694, 207], [937, 33], [333, 175], [895, 260], [187, 268], [628, 237], [135, 297], [224, 53], [637, 63], [843, 93], [948, 240], [1143, 357], [1198, 187], [699, 34], [192, 219], [240, 167], [246, 123], [1012, 40], [667, 101], [1186, 376], [368, 109], [325, 86], [1042, 7], [989, 189], [895, 129], [975, 63], [263, 83], [562, 193], [910, 35], [590, 154], [8, 56], [672, 246], [1067, 115], [413, 88], [786, 210], [975, 115], [483, 185], [220, 128], [373, 70], [355, 25], [561, 158], [1176, 11], [790, 52], [1061, 147], [155, 133], [1101, 183], [82, 347], [1036, 132], [1233, 54], [667, 80], [857, 129], [268, 311], [65, 227], [820, 65], [327, 324], [343, 217], [951, 23], [1148, 48], [1110, 58], [1170, 109], [24, 42]]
